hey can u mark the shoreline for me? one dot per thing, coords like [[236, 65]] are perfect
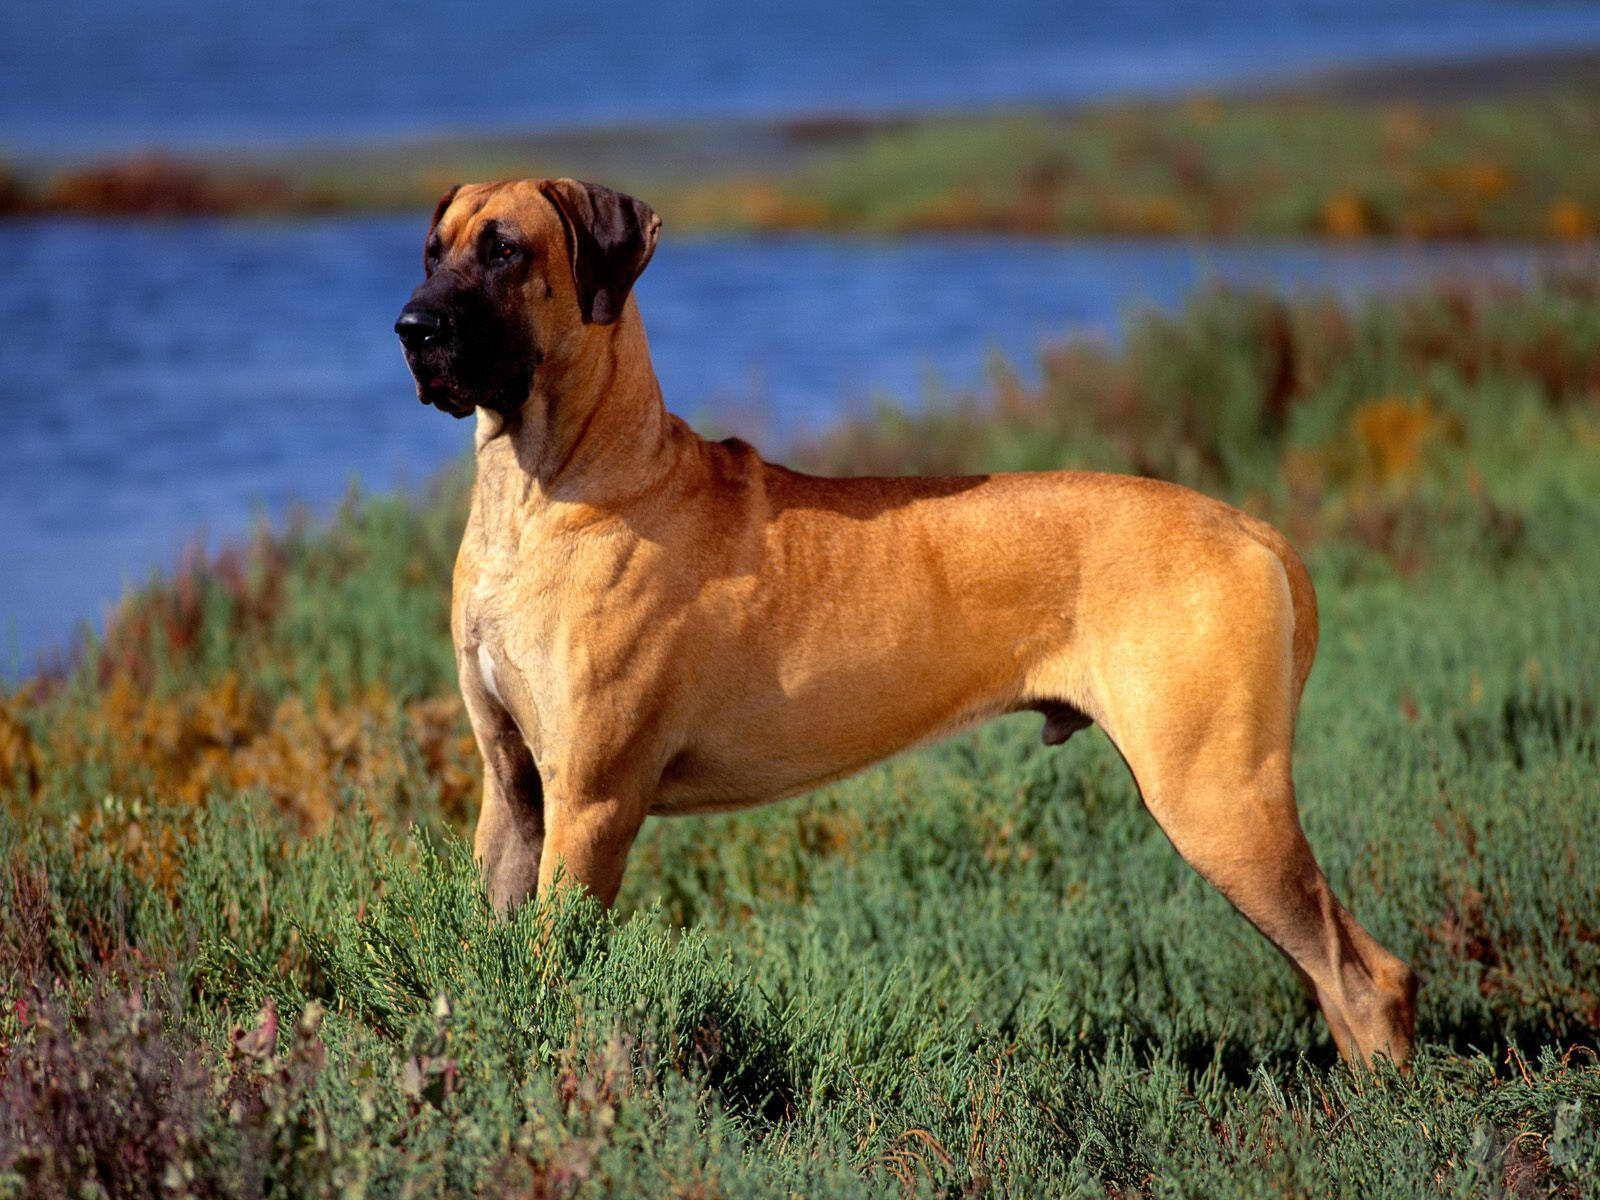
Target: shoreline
[[1418, 80], [1384, 150], [1444, 79]]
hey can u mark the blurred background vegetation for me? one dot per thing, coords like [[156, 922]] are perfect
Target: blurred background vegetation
[[1362, 159]]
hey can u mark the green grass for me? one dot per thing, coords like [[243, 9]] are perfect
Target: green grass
[[246, 953], [1502, 166], [1513, 161]]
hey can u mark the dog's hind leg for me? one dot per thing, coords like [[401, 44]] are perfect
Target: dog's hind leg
[[1241, 832], [1209, 746]]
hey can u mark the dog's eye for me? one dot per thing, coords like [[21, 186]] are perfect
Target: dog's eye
[[504, 251]]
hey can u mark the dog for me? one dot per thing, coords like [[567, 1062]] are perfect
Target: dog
[[646, 621]]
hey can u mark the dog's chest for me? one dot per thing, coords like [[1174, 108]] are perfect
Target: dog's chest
[[527, 625], [554, 620], [507, 628]]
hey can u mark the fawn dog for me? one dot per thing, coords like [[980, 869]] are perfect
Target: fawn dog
[[649, 622]]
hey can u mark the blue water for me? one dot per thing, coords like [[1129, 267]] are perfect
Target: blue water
[[162, 381], [85, 74]]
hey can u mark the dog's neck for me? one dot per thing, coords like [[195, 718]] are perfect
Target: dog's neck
[[594, 429]]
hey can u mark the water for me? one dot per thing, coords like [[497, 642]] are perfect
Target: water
[[95, 74], [160, 381]]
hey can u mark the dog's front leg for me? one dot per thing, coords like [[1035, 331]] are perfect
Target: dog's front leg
[[510, 835], [589, 834]]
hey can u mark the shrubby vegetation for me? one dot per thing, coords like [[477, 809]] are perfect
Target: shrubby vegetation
[[1511, 161], [1502, 166], [245, 952]]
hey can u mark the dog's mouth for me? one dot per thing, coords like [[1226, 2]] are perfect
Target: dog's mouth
[[439, 392], [449, 395], [460, 380], [438, 389]]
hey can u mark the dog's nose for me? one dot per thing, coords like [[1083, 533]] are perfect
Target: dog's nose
[[418, 326]]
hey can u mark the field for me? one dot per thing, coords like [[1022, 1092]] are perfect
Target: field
[[246, 953], [1490, 149]]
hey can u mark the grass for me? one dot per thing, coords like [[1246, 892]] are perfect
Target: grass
[[1270, 166], [1506, 161], [245, 951]]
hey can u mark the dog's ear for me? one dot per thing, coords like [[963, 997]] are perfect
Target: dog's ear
[[439, 208], [433, 223], [610, 238]]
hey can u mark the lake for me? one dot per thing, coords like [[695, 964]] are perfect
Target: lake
[[164, 381], [109, 74]]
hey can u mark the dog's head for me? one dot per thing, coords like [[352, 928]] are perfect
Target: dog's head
[[512, 270]]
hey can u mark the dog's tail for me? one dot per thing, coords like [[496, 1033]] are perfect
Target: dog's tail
[[1302, 594]]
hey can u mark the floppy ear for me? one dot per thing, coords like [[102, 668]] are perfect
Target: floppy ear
[[610, 238], [433, 223], [444, 203]]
